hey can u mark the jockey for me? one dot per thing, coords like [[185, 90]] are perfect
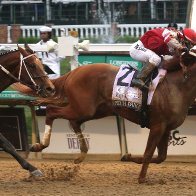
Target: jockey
[[153, 44], [172, 25], [188, 37]]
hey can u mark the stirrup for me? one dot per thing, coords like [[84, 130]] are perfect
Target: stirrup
[[139, 84]]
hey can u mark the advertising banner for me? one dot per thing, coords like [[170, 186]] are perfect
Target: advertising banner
[[101, 136], [181, 141], [117, 60]]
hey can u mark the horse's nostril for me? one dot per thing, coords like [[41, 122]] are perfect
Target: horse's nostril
[[50, 90]]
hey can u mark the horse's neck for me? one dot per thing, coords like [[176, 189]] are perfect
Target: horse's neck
[[185, 88], [171, 63], [9, 61], [190, 87]]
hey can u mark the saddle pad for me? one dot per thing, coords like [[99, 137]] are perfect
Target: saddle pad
[[124, 95]]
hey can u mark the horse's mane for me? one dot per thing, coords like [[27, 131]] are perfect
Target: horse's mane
[[57, 98], [8, 52], [171, 64]]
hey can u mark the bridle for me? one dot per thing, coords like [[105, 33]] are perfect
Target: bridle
[[184, 67], [35, 86]]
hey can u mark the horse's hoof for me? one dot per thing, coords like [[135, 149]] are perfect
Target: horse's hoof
[[37, 173], [80, 158], [35, 147], [141, 180], [126, 157], [77, 161]]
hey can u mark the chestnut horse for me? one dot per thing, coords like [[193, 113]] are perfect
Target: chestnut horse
[[88, 92], [23, 66]]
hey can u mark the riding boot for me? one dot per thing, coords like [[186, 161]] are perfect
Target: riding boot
[[140, 79]]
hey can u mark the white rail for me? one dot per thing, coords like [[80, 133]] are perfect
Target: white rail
[[86, 31], [92, 47]]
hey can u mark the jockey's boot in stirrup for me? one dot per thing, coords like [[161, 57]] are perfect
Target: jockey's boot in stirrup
[[139, 80]]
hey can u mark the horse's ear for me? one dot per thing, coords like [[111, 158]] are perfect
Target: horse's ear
[[22, 51], [28, 48], [19, 48]]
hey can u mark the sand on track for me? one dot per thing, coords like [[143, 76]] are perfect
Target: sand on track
[[96, 178]]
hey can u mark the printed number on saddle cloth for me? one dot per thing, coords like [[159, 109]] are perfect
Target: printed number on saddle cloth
[[123, 94]]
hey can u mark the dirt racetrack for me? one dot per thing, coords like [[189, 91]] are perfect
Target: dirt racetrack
[[94, 178]]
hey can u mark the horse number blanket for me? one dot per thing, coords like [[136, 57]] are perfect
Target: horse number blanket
[[124, 95]]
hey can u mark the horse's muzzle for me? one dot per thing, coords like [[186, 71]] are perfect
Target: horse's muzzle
[[45, 92]]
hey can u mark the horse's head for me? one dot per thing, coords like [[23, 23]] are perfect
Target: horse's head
[[187, 59], [32, 73]]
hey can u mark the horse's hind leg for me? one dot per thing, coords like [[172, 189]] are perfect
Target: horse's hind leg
[[162, 149], [154, 138], [162, 152], [9, 148], [83, 146]]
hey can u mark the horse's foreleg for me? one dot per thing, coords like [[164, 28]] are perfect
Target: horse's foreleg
[[9, 148], [83, 145], [38, 147], [52, 112]]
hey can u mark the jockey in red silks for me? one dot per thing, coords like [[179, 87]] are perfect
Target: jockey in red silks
[[153, 44]]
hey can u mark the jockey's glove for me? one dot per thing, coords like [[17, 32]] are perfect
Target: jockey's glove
[[184, 49]]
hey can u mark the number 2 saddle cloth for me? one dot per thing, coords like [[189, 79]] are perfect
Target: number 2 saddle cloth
[[125, 95]]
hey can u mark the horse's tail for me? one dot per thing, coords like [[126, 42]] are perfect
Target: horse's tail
[[57, 98]]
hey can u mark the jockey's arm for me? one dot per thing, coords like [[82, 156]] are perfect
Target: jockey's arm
[[170, 37], [173, 43]]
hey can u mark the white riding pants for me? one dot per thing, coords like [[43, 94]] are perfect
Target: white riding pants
[[140, 53]]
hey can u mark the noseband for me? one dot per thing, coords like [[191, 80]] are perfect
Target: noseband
[[36, 87]]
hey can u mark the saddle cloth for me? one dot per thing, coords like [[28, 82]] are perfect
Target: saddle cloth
[[124, 95]]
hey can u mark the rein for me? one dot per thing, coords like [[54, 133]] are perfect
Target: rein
[[22, 62], [184, 67], [9, 74]]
